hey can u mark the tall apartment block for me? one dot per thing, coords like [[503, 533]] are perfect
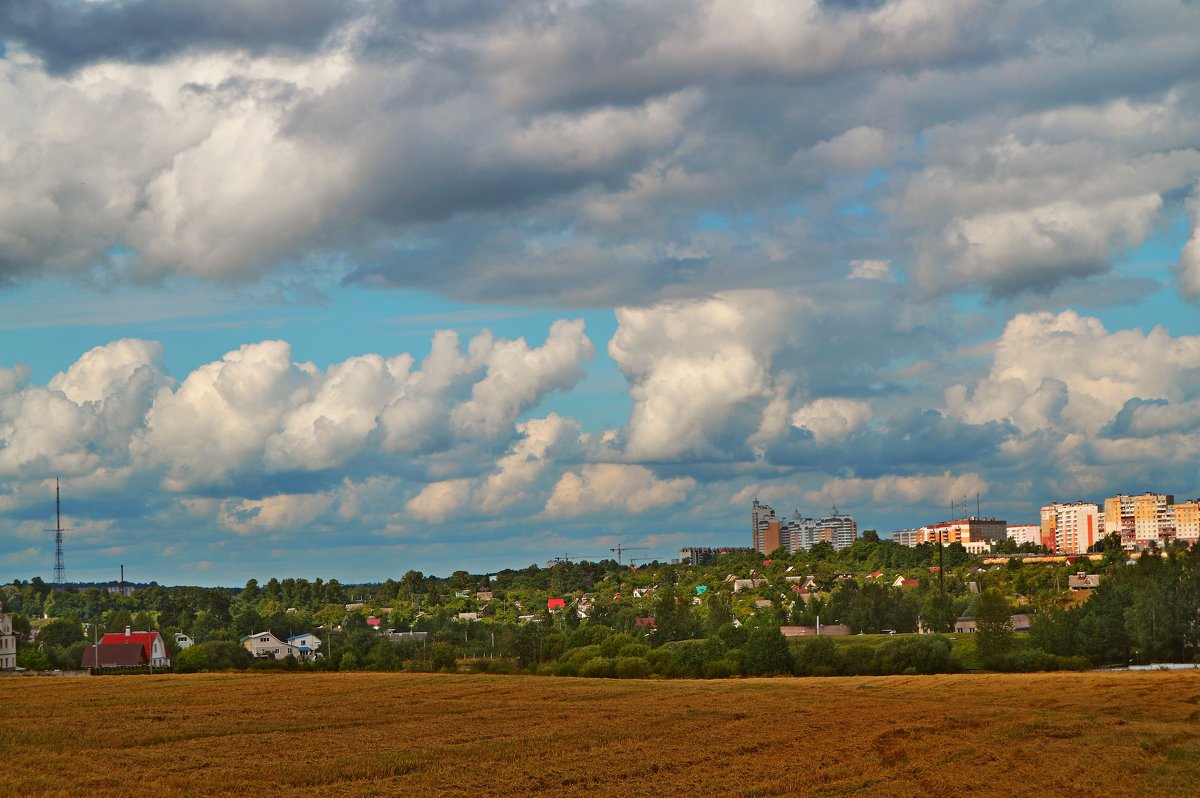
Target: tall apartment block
[[769, 531], [1071, 528], [1140, 520]]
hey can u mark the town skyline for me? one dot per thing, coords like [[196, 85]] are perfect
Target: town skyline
[[393, 286]]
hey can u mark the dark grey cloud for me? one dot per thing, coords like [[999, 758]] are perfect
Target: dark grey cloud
[[69, 34], [600, 153]]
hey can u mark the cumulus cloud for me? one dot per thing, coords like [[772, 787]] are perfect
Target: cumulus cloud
[[1066, 371], [698, 370], [564, 154], [871, 270], [1187, 270], [832, 419], [933, 490], [285, 512], [605, 487]]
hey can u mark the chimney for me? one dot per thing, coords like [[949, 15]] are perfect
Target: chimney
[[127, 631]]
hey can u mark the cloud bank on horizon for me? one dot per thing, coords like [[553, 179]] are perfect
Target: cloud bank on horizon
[[877, 254]]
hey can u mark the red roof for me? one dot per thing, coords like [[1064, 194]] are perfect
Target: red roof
[[114, 655], [643, 622], [875, 575], [145, 639], [910, 583], [556, 604]]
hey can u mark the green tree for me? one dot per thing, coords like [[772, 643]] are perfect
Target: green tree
[[993, 624], [766, 651], [33, 659], [443, 657], [60, 632]]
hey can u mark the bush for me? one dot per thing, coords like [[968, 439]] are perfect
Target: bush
[[634, 650], [566, 667], [660, 660], [192, 660], [917, 654], [687, 660], [720, 669], [575, 658], [591, 634], [612, 646], [33, 659], [598, 668], [817, 656], [443, 657], [216, 655], [766, 652], [1030, 660], [857, 660], [632, 668]]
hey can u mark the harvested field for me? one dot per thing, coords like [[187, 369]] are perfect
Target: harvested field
[[374, 734]]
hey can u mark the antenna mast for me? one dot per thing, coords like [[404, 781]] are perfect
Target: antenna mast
[[60, 571]]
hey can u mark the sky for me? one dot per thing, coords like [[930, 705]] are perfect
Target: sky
[[341, 288]]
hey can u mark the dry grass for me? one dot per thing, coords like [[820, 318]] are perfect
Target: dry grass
[[360, 734]]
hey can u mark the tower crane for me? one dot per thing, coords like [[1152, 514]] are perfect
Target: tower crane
[[619, 548]]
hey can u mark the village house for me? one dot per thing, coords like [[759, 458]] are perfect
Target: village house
[[1083, 581], [152, 642], [264, 645], [182, 641], [306, 645], [114, 655], [8, 643]]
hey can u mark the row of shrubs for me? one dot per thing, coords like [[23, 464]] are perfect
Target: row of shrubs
[[621, 656]]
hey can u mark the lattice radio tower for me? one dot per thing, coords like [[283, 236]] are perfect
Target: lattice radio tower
[[60, 571]]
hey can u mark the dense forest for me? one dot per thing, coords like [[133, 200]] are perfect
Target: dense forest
[[667, 619]]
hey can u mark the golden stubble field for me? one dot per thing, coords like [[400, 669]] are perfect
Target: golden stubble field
[[374, 734]]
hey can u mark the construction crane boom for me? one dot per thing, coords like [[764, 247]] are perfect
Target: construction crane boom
[[619, 548]]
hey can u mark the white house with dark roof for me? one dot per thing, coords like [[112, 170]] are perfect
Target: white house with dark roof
[[264, 645], [306, 645], [8, 643]]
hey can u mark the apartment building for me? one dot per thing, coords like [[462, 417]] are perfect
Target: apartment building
[[977, 535], [1022, 534], [799, 533], [1071, 528], [1140, 519]]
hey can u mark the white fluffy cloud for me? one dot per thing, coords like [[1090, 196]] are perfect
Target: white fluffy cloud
[[698, 369], [1066, 371], [605, 487], [832, 419], [1188, 269], [930, 490]]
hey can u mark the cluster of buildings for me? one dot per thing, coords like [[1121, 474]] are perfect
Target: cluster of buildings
[[265, 645], [1142, 521], [1145, 520], [770, 531], [977, 535]]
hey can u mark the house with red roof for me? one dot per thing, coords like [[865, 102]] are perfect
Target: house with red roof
[[556, 604], [152, 643], [114, 655]]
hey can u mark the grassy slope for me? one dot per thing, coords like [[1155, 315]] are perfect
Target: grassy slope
[[371, 734]]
